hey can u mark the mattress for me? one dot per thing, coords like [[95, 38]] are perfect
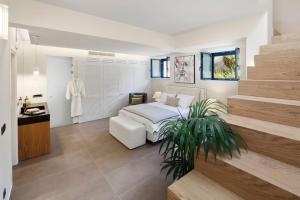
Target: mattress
[[151, 128]]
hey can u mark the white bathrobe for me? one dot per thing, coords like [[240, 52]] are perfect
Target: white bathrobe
[[75, 90]]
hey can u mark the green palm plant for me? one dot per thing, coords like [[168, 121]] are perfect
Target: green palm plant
[[203, 129]]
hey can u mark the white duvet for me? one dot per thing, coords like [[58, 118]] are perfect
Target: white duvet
[[152, 129]]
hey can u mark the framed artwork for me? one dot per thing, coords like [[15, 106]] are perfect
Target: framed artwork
[[184, 69]]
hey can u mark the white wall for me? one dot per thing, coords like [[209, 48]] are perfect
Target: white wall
[[287, 16], [257, 36], [14, 120], [5, 117], [55, 18], [257, 29], [220, 90], [216, 34], [25, 13], [28, 85], [254, 31]]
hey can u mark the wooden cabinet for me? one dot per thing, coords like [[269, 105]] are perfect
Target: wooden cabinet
[[34, 140]]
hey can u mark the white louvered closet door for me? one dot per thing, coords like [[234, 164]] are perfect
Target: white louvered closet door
[[126, 83], [141, 76], [108, 82], [113, 98], [91, 73]]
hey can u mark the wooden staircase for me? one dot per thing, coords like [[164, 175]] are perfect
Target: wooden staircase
[[266, 113]]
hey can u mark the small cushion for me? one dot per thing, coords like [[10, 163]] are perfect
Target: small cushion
[[136, 100], [172, 101], [163, 97], [137, 96], [185, 100]]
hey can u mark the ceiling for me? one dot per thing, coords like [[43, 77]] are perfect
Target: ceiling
[[165, 16], [86, 42]]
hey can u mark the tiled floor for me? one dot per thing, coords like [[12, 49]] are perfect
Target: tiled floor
[[87, 163]]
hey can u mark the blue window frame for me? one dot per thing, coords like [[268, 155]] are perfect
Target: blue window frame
[[220, 65], [160, 68]]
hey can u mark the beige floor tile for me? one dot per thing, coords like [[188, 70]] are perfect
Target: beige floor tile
[[97, 189], [58, 183], [126, 177], [153, 187], [103, 149], [87, 163], [50, 166]]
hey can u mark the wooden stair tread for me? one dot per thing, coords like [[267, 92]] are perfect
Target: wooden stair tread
[[280, 174], [281, 89], [269, 61], [268, 100], [274, 110], [252, 176], [196, 186], [261, 136], [282, 46], [283, 81], [266, 113], [284, 52], [280, 130], [271, 57], [275, 73], [286, 38]]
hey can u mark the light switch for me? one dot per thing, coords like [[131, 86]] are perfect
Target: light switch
[[4, 193], [3, 128]]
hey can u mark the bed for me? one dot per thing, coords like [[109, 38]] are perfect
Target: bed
[[153, 121]]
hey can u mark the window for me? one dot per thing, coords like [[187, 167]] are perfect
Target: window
[[160, 68], [220, 65]]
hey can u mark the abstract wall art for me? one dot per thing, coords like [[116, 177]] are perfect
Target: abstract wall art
[[184, 69]]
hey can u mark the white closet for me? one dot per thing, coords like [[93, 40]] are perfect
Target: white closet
[[108, 81]]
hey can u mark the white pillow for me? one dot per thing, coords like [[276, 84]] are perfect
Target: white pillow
[[185, 100], [163, 97]]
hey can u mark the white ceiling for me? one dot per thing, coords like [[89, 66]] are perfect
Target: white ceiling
[[86, 42], [166, 16]]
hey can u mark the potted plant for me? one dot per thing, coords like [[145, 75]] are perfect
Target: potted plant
[[203, 130]]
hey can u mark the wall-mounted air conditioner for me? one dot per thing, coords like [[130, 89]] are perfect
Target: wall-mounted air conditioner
[[99, 53]]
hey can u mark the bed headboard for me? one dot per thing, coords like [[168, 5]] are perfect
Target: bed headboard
[[198, 93]]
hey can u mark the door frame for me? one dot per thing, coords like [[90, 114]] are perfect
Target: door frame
[[65, 86], [13, 106]]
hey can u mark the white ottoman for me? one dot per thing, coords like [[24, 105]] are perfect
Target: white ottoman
[[131, 133]]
